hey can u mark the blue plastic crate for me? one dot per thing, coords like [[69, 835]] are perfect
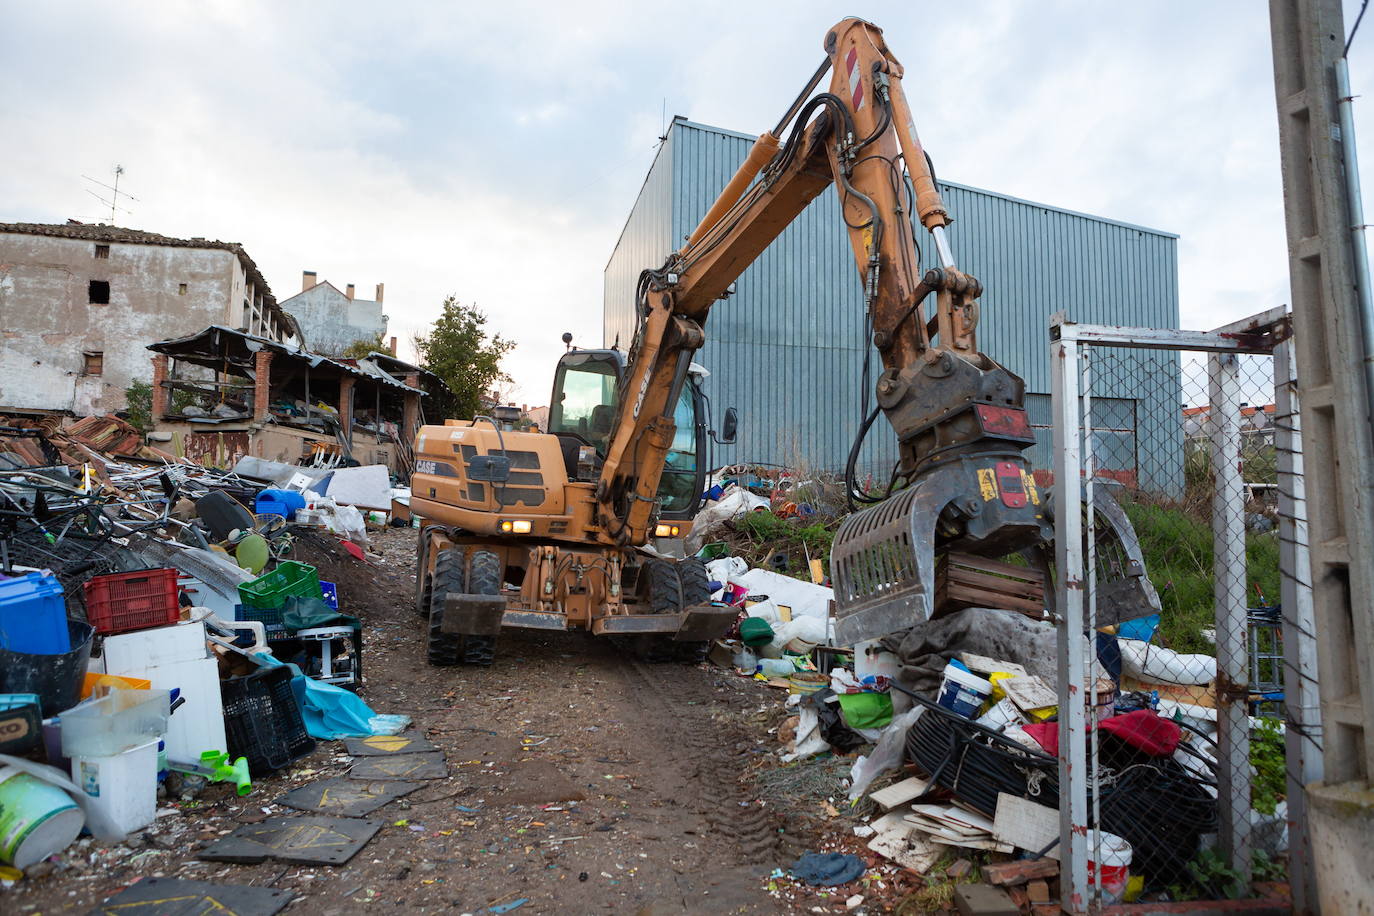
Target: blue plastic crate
[[33, 615]]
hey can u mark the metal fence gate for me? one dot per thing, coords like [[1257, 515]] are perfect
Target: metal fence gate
[[1196, 606]]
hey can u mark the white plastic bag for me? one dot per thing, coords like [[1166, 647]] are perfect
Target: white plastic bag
[[809, 740], [887, 753], [1158, 665]]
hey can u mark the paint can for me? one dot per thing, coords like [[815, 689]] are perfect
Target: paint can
[[36, 819], [963, 693]]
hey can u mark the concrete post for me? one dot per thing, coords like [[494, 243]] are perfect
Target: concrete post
[[161, 396], [262, 380], [346, 406]]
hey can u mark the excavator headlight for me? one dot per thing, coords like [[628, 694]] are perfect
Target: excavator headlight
[[666, 531], [516, 526]]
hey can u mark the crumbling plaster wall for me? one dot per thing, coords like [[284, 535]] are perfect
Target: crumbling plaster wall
[[48, 323], [331, 321]]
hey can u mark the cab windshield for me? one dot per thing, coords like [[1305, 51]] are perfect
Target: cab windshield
[[584, 400]]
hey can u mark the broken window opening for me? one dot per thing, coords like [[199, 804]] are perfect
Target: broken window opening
[[98, 292], [102, 252], [181, 289], [93, 362]]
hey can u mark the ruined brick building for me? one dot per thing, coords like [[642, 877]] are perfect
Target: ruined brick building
[[79, 304]]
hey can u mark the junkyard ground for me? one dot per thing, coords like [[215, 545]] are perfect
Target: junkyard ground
[[580, 780]]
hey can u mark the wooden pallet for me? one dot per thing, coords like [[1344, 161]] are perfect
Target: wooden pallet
[[963, 580]]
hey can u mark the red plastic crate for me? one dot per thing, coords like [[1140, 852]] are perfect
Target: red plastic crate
[[138, 600]]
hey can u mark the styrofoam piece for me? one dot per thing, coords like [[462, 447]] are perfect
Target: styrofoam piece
[[134, 653], [122, 786], [198, 725], [368, 486], [804, 598]]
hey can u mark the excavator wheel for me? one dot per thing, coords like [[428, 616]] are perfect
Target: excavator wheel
[[445, 649], [672, 587], [485, 573], [696, 589]]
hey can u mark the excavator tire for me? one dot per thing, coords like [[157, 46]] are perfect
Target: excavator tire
[[696, 589], [445, 649], [485, 572]]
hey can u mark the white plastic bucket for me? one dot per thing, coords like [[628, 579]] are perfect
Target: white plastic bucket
[[963, 693], [123, 786], [1115, 854], [36, 819]]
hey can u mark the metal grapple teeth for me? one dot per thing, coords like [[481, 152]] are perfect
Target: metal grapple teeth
[[883, 565]]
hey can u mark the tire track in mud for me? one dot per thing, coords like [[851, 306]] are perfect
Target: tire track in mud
[[680, 709]]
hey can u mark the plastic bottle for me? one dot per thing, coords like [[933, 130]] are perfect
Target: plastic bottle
[[776, 667]]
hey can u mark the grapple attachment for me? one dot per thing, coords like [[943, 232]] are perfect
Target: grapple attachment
[[883, 558]]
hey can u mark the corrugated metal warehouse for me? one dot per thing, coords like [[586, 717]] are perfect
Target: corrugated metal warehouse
[[787, 349]]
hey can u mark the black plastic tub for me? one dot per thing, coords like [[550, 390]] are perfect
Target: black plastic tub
[[55, 678]]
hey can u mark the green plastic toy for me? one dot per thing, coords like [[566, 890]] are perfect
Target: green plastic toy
[[221, 770]]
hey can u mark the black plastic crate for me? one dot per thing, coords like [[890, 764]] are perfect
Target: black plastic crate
[[262, 720]]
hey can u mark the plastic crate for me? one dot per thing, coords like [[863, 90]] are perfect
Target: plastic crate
[[139, 600], [20, 722], [269, 617], [33, 615], [271, 589], [262, 720]]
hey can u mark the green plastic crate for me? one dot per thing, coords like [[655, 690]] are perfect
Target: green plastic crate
[[270, 590]]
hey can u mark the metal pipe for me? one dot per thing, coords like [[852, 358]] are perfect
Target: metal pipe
[[1354, 201]]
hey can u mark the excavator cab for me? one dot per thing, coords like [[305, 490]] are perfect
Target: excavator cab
[[581, 414]]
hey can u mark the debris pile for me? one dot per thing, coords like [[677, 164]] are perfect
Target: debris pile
[[157, 637]]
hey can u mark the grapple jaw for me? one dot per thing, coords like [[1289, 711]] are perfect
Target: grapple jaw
[[883, 558]]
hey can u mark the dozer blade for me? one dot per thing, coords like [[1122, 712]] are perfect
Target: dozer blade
[[473, 615], [883, 558], [703, 622]]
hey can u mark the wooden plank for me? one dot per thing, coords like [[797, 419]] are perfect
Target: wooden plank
[[996, 583], [981, 664], [899, 793], [1026, 825]]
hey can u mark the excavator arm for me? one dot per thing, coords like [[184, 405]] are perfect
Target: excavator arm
[[957, 414]]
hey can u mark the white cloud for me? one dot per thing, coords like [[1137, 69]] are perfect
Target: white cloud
[[493, 151]]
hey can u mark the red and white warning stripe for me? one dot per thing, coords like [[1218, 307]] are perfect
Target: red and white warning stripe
[[856, 83]]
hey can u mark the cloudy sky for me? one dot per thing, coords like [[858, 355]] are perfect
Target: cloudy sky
[[493, 150]]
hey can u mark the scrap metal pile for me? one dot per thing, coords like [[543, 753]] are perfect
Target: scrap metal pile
[[154, 629]]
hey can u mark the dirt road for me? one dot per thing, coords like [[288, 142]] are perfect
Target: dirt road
[[581, 781]]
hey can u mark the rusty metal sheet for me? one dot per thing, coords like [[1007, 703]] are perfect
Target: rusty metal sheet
[[216, 449]]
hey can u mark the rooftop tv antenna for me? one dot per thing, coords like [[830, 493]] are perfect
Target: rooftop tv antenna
[[113, 202]]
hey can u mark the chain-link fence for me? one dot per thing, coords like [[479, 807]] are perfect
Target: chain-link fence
[[1175, 525]]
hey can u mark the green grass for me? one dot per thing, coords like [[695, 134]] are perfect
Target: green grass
[[759, 534], [1178, 559]]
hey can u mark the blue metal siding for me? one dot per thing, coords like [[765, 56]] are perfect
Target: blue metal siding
[[644, 242], [787, 349]]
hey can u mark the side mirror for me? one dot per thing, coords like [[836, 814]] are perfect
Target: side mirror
[[729, 426]]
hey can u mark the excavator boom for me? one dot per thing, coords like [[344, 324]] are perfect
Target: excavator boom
[[958, 415]]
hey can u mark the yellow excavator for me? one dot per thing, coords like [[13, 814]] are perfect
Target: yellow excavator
[[548, 530]]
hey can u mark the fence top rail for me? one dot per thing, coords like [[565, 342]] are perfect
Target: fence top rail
[[1258, 334]]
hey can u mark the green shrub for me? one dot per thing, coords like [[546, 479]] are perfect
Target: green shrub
[[1177, 547]]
